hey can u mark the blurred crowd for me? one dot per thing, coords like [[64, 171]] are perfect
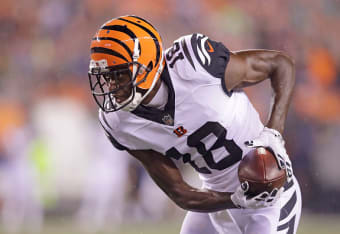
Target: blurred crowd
[[52, 158]]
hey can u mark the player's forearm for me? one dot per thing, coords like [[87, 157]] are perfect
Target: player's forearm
[[167, 176], [194, 199], [199, 200], [282, 82]]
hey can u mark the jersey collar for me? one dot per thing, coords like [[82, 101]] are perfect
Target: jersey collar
[[166, 116]]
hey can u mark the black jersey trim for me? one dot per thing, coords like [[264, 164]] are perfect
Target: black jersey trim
[[186, 53], [157, 115], [288, 207], [219, 58], [290, 225], [105, 120], [113, 141], [224, 87], [288, 185]]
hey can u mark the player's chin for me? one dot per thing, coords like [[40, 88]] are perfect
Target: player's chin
[[121, 99]]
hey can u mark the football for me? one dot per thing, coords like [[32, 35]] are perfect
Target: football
[[261, 170]]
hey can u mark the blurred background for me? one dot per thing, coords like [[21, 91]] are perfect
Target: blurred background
[[58, 173]]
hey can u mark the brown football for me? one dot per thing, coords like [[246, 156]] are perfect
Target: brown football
[[259, 167]]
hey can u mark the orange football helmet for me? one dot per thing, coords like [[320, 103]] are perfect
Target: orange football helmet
[[128, 46]]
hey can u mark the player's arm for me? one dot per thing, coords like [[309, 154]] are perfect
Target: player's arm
[[167, 176], [250, 67]]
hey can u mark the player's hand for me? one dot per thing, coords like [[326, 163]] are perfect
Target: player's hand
[[272, 139], [264, 199]]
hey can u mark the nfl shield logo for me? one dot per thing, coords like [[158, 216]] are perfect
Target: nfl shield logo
[[167, 119]]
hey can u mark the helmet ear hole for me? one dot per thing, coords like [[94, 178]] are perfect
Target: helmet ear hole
[[150, 66]]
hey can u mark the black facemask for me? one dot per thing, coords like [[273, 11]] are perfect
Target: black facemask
[[123, 80]]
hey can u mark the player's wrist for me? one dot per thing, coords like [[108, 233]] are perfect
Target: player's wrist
[[235, 200], [273, 131]]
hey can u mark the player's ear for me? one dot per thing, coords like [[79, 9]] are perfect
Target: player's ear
[[235, 71]]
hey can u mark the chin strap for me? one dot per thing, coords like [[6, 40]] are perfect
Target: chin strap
[[135, 96], [139, 97], [134, 103]]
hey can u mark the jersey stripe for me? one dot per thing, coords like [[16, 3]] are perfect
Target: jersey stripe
[[290, 225], [288, 207], [195, 39], [186, 53], [204, 51], [288, 185], [108, 51]]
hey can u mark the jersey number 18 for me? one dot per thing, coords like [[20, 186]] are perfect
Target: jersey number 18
[[173, 55], [195, 140]]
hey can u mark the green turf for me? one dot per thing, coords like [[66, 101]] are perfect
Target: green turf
[[310, 224], [319, 224]]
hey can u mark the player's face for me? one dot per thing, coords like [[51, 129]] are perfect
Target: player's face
[[120, 84]]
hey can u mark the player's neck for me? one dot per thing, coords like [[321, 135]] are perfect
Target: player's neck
[[159, 97]]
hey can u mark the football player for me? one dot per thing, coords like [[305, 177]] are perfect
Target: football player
[[186, 105]]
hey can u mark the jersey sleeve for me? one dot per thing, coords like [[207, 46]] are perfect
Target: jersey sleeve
[[196, 56], [109, 131]]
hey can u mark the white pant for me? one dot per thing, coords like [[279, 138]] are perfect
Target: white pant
[[282, 218]]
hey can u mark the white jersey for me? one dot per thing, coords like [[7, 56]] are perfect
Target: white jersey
[[202, 124], [205, 126]]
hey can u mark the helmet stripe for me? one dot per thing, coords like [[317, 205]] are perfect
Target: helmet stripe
[[115, 40], [120, 28], [107, 51], [151, 34], [144, 20]]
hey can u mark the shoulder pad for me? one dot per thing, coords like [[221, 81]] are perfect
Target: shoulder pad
[[197, 54], [212, 56]]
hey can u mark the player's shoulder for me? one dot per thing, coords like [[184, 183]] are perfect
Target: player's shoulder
[[197, 53], [119, 122], [109, 121], [189, 48]]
